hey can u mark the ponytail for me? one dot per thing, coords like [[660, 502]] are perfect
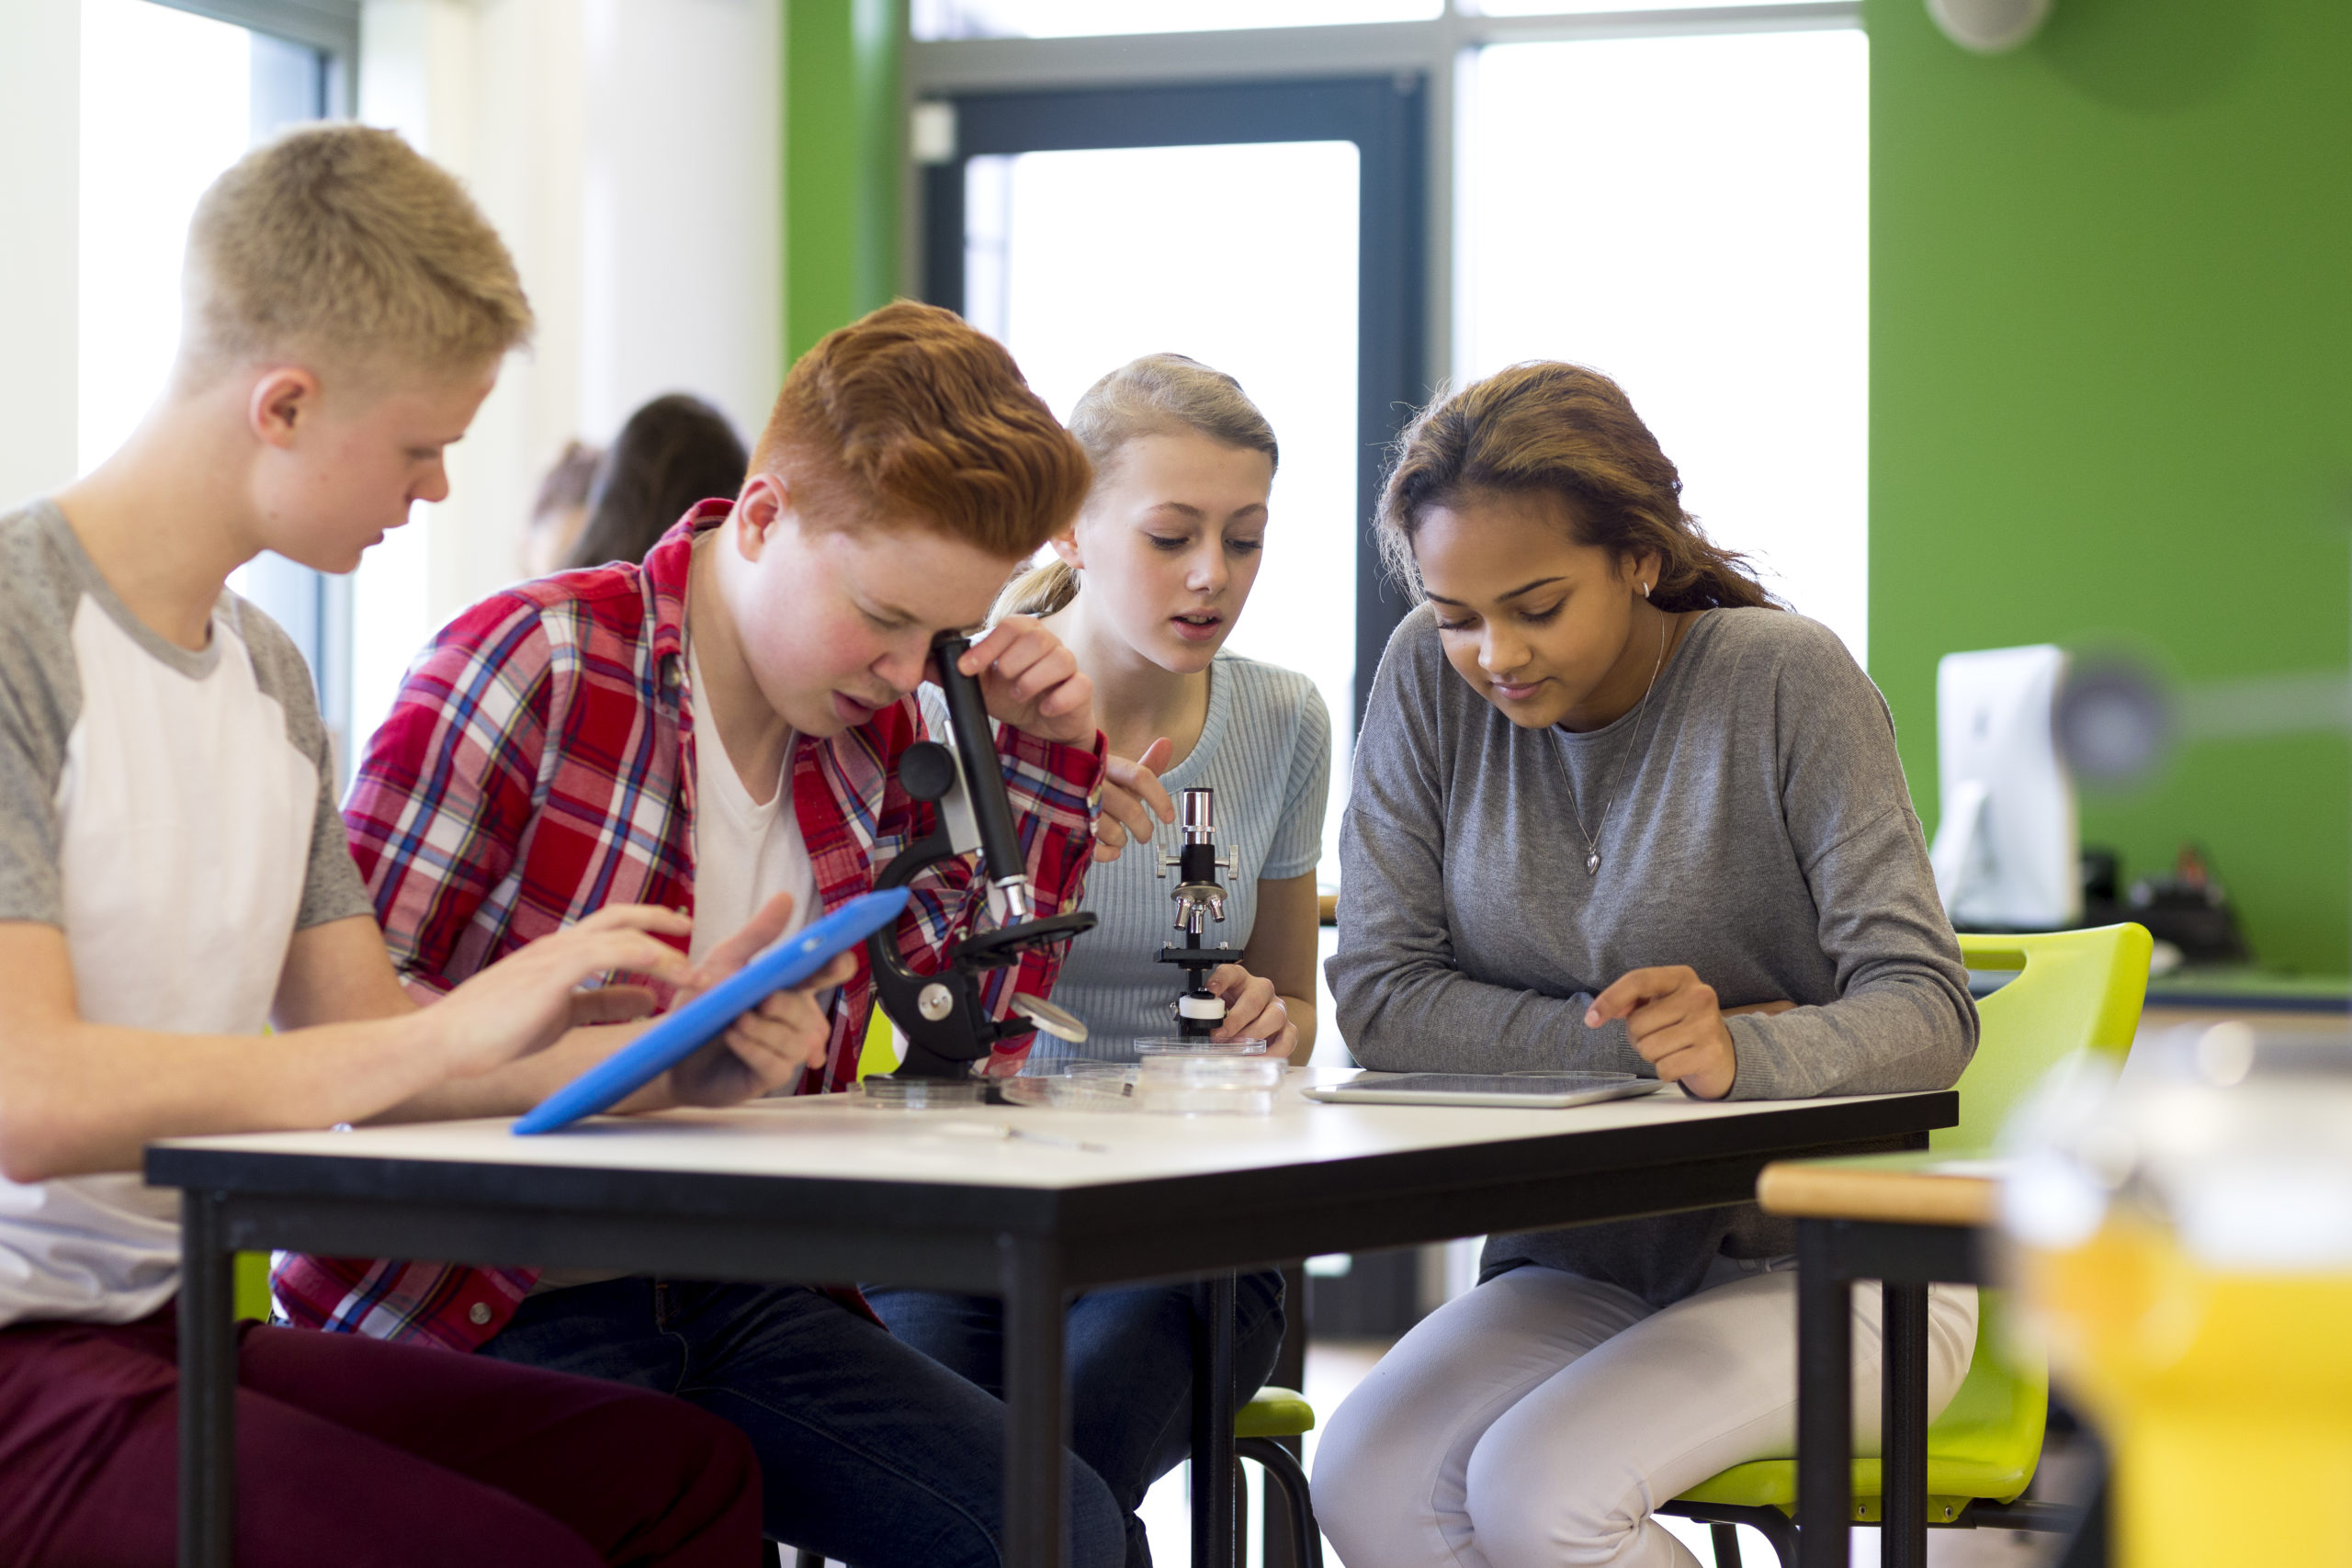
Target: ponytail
[[1040, 590]]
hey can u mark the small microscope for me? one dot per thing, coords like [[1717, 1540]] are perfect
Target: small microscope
[[1199, 898], [939, 1017]]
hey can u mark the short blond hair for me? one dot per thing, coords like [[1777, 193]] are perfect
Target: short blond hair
[[344, 242]]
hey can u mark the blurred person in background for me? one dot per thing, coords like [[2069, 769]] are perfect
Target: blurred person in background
[[675, 451], [562, 508]]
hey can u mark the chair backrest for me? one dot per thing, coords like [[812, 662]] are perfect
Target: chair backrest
[[2074, 991], [879, 1052]]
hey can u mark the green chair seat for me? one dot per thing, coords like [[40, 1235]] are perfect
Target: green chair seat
[[1986, 1444], [1274, 1413], [2077, 990]]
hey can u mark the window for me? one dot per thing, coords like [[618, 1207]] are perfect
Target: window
[[1068, 19], [1253, 272], [1689, 215], [1674, 193], [168, 100], [1588, 8]]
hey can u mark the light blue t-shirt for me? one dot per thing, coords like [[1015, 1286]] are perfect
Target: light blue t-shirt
[[1265, 748]]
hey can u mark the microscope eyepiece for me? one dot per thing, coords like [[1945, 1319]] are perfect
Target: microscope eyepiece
[[1199, 811]]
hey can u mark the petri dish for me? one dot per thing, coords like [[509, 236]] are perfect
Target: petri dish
[[1213, 1084], [884, 1093], [1171, 1045], [1092, 1091]]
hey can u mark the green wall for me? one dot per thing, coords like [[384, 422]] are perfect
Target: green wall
[[2111, 397], [842, 125]]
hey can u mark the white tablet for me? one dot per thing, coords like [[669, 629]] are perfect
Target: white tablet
[[1528, 1090]]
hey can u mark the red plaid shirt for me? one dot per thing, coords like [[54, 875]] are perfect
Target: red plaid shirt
[[539, 764]]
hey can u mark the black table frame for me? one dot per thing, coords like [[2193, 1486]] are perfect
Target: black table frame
[[1905, 1259], [1033, 1245]]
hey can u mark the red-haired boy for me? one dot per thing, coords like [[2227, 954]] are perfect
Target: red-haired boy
[[716, 730]]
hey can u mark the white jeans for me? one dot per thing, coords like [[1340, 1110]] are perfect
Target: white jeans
[[1538, 1419]]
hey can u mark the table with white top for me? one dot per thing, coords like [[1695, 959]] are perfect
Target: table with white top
[[829, 1189]]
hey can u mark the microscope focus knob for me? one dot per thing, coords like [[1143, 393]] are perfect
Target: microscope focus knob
[[934, 1001], [927, 769]]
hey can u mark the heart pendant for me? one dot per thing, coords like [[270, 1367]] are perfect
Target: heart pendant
[[1592, 863]]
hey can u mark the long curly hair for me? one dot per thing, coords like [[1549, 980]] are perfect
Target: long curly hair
[[1548, 428]]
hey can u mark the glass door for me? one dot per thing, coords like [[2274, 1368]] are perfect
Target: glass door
[[1272, 231]]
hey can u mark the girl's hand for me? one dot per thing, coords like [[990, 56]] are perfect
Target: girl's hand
[[764, 1047], [1032, 682], [527, 1000], [1131, 794], [1253, 1010], [1672, 1017]]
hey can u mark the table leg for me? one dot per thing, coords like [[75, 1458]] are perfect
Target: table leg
[[1902, 1427], [208, 1386], [1036, 1426], [1825, 1402], [1215, 1524], [1279, 1548]]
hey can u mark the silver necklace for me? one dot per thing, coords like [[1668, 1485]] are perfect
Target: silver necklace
[[1592, 849]]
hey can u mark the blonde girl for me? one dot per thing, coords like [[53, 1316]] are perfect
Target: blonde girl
[[1144, 589]]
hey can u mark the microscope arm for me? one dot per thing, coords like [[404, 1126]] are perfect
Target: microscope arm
[[940, 1016]]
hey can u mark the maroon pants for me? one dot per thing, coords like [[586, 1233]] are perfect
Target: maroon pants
[[355, 1452]]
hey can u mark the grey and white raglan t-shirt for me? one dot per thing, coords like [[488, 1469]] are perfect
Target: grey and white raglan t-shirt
[[172, 813]]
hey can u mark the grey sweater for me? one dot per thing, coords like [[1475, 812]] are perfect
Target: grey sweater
[[1762, 834]]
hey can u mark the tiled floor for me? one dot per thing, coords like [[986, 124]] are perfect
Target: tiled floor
[[1334, 1368]]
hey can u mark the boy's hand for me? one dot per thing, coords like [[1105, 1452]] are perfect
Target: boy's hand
[[526, 1000], [1253, 1010], [1032, 682], [1673, 1020], [764, 1047], [1131, 794]]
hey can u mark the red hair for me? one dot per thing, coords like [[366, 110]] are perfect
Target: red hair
[[912, 417]]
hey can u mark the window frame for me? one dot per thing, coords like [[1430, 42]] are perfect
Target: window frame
[[977, 80], [330, 26], [1384, 115], [314, 609]]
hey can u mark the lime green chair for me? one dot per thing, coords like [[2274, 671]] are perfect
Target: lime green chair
[[249, 1293], [2073, 991], [880, 1053], [1258, 1426]]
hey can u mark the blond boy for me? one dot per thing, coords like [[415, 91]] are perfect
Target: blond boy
[[174, 878]]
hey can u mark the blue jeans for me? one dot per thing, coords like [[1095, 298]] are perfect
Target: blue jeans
[[872, 1453], [1130, 1370]]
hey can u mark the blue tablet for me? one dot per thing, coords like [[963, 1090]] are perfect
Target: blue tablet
[[682, 1034]]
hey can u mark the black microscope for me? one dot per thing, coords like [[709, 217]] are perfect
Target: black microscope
[[1199, 898], [944, 1030]]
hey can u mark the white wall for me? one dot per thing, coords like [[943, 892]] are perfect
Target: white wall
[[629, 153], [41, 71], [682, 268]]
